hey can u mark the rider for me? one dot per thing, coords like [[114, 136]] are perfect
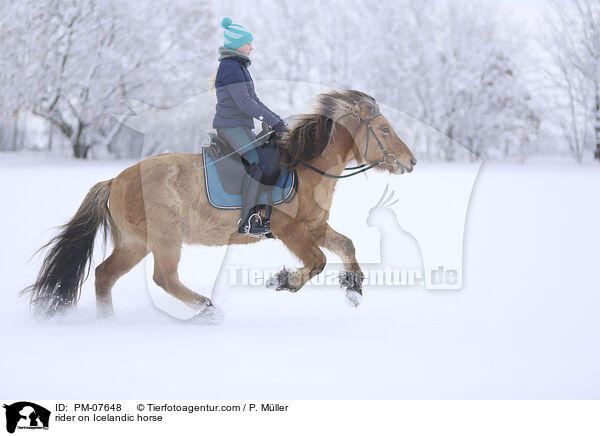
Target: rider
[[237, 105]]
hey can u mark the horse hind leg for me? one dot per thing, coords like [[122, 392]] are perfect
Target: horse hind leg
[[166, 261], [124, 257]]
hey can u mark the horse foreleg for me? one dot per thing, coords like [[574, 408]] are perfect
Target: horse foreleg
[[298, 240], [342, 246]]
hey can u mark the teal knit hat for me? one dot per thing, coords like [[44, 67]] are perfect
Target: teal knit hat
[[235, 35]]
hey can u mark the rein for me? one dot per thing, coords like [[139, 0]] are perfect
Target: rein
[[235, 151], [363, 167], [333, 176]]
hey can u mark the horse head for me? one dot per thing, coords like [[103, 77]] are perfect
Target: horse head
[[351, 120], [375, 140]]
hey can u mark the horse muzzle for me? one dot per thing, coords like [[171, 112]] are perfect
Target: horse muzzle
[[398, 167]]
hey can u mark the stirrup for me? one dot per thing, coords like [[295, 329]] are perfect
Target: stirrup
[[255, 226]]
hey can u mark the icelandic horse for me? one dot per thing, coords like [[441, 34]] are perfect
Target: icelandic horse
[[161, 202]]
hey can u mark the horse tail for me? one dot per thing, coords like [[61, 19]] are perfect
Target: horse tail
[[63, 271]]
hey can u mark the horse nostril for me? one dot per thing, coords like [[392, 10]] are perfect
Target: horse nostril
[[413, 161]]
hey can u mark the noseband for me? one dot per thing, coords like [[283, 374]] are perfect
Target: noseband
[[386, 155], [364, 167]]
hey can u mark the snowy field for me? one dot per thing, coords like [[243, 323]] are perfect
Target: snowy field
[[525, 324]]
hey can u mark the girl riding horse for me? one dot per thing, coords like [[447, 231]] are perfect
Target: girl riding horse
[[237, 105]]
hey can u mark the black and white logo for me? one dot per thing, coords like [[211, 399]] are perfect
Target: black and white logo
[[26, 415]]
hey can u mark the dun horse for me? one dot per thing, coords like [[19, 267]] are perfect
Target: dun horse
[[160, 203]]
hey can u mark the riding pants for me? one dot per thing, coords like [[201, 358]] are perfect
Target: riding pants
[[263, 164]]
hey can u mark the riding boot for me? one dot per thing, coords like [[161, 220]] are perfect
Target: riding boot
[[251, 222]]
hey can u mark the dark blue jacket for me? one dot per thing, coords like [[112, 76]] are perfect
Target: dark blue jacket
[[237, 103]]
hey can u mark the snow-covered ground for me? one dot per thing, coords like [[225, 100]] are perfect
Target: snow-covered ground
[[524, 325]]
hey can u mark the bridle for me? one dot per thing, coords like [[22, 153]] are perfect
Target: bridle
[[364, 167]]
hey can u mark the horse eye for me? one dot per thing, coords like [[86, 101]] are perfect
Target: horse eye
[[386, 130]]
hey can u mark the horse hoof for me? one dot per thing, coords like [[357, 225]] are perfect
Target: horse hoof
[[210, 315], [352, 280], [283, 281], [201, 306], [353, 298], [272, 282], [105, 314]]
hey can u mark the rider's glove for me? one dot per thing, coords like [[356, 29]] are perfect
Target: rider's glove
[[281, 126]]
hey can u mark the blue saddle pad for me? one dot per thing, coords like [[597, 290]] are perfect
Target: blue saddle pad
[[283, 191]]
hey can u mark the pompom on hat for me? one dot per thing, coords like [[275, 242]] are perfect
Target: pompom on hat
[[234, 35]]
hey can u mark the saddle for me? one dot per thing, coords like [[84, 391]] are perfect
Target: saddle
[[225, 171]]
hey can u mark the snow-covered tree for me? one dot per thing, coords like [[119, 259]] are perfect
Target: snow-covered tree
[[73, 62], [574, 46], [448, 66]]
